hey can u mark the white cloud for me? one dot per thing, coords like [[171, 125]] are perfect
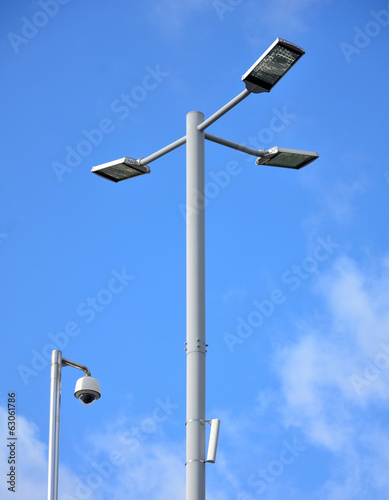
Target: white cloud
[[318, 400], [31, 465], [154, 470], [335, 379], [110, 465]]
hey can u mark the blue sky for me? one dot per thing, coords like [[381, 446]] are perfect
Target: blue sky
[[297, 262]]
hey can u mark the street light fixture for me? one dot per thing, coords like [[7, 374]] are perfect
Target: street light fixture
[[288, 158], [272, 66], [87, 391], [261, 77], [122, 169]]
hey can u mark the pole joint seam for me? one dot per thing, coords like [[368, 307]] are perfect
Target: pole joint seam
[[196, 350], [198, 347], [195, 420]]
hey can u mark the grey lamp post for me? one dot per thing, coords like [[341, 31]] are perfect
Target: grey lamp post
[[261, 77], [87, 391]]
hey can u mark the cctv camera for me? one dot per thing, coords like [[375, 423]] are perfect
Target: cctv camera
[[87, 390]]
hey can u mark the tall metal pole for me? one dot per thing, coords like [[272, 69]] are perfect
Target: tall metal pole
[[195, 309], [55, 402]]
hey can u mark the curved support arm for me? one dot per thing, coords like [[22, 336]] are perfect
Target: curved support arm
[[67, 362]]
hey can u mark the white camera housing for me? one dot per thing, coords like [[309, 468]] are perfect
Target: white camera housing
[[87, 390]]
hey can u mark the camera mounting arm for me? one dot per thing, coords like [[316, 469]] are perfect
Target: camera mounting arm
[[67, 362]]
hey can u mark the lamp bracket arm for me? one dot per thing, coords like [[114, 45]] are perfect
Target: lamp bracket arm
[[235, 145], [222, 111], [163, 151], [201, 127]]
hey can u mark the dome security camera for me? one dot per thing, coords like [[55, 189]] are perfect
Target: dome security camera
[[87, 390]]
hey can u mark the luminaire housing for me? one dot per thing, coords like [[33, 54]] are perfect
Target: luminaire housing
[[122, 169], [272, 66], [288, 158]]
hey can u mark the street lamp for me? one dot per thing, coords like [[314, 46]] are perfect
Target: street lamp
[[122, 169], [272, 66], [288, 158], [261, 77], [87, 391]]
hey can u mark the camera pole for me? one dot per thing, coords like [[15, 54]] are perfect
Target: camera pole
[[57, 362], [55, 402]]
